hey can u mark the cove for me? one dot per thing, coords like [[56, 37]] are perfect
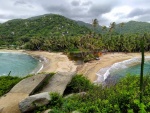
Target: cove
[[20, 64], [118, 70]]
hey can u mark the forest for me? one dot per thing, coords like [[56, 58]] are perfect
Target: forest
[[58, 33]]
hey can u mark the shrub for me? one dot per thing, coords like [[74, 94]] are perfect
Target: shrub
[[78, 84], [56, 100], [7, 82]]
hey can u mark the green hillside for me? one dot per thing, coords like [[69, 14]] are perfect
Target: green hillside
[[45, 26], [98, 29], [133, 27], [130, 27]]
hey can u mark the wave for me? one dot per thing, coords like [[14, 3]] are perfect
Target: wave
[[42, 62], [103, 73]]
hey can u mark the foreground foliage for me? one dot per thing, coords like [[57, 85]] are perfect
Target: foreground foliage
[[120, 98], [7, 82]]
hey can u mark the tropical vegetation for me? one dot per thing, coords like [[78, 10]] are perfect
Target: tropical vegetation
[[123, 97], [7, 82]]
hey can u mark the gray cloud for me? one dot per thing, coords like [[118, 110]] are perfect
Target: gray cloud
[[145, 18], [87, 3], [138, 12], [97, 10], [75, 3], [84, 10], [3, 16], [57, 9], [19, 2]]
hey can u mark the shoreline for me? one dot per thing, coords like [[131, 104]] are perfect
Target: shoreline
[[106, 60], [52, 62], [58, 62]]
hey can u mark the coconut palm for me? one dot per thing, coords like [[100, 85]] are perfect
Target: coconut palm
[[95, 23]]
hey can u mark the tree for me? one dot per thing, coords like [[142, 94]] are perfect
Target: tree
[[112, 26], [121, 26], [95, 23]]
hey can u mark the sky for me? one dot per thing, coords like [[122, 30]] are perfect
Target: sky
[[105, 11]]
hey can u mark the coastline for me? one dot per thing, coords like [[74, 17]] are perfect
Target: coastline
[[106, 60], [52, 62], [58, 62]]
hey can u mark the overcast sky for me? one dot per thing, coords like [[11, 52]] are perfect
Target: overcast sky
[[106, 11]]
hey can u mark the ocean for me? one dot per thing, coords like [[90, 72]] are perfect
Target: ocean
[[20, 64], [118, 70]]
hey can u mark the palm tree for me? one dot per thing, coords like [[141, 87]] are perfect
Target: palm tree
[[95, 23], [112, 26], [121, 26]]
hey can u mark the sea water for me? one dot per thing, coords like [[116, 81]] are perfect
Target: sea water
[[19, 64], [118, 70]]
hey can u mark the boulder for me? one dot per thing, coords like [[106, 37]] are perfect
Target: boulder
[[47, 111], [75, 112], [58, 82], [81, 94], [34, 101]]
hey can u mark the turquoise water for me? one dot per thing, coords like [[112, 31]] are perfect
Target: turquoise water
[[118, 70], [18, 63], [132, 70]]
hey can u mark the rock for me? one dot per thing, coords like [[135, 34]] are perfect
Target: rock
[[58, 82], [34, 101], [47, 111], [30, 84], [75, 112], [82, 94]]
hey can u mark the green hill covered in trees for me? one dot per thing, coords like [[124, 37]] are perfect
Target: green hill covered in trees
[[53, 32], [133, 27], [40, 26]]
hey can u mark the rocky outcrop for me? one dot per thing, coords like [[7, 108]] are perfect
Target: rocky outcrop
[[20, 91], [57, 84], [34, 101], [30, 84]]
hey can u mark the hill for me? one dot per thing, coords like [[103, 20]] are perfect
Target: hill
[[98, 29], [130, 27], [133, 27], [41, 26]]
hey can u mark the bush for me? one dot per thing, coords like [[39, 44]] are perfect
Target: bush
[[56, 100], [78, 84], [7, 82]]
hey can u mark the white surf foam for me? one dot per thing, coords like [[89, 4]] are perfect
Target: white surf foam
[[103, 73]]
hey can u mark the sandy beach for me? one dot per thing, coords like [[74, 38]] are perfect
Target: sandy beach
[[91, 68], [58, 62], [52, 62]]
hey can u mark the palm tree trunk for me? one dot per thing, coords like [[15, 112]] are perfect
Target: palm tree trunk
[[142, 69]]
